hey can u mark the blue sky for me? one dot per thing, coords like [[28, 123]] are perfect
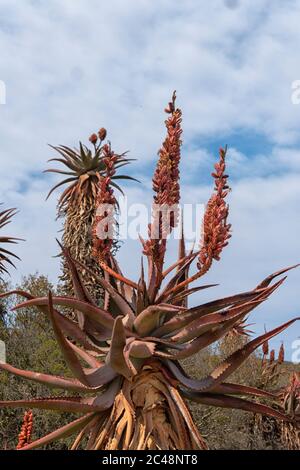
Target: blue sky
[[71, 67]]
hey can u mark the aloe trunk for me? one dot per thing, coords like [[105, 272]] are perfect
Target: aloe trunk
[[77, 235], [148, 414]]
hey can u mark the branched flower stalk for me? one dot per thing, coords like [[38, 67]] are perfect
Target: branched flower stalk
[[124, 357], [215, 229]]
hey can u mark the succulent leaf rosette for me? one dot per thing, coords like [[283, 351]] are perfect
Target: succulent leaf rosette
[[5, 254]]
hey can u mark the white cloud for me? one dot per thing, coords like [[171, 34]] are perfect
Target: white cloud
[[71, 67]]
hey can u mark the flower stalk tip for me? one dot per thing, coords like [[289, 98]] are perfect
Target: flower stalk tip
[[216, 230]]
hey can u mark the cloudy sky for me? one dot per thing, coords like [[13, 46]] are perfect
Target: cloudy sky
[[70, 67]]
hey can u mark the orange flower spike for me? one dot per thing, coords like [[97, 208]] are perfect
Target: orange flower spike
[[166, 186], [101, 245], [26, 430], [216, 230], [166, 176]]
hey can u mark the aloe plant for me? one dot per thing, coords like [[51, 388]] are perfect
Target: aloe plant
[[124, 358], [286, 434], [290, 396], [6, 255]]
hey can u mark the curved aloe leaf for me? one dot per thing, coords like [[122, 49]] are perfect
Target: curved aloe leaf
[[71, 405], [270, 278], [191, 315], [238, 357], [225, 369], [147, 320], [224, 401], [187, 292], [62, 432], [94, 313], [140, 349], [61, 183], [68, 353], [68, 326], [101, 376], [176, 277], [215, 306], [222, 388], [115, 297], [52, 381], [115, 357], [236, 389], [79, 289], [208, 322], [88, 358]]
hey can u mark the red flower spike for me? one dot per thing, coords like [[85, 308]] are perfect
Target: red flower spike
[[106, 203], [166, 187], [26, 430], [216, 230]]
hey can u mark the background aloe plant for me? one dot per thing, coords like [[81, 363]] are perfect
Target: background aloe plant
[[84, 170], [125, 357], [272, 430], [290, 432], [5, 254]]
